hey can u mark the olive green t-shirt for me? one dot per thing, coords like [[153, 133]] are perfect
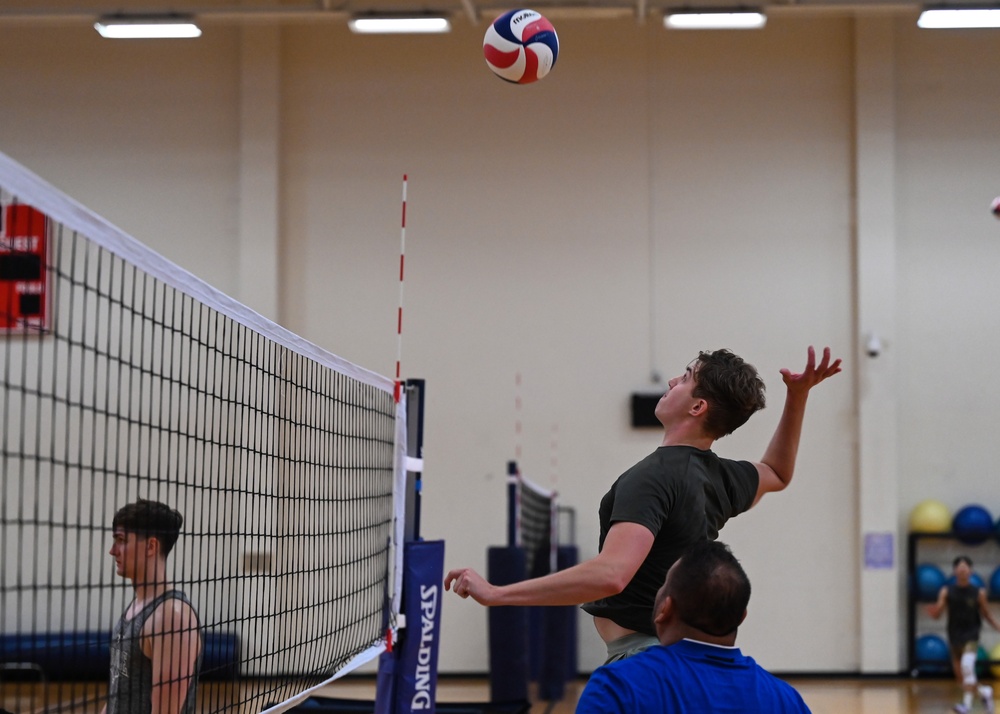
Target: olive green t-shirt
[[683, 495]]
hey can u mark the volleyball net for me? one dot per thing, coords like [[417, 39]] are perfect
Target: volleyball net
[[123, 378], [534, 522]]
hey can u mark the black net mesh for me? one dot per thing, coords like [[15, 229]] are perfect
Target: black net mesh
[[118, 386], [536, 527]]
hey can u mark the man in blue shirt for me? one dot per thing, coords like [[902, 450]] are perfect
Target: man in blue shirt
[[697, 667]]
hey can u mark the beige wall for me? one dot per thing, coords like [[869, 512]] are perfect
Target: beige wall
[[949, 171], [141, 133], [703, 180]]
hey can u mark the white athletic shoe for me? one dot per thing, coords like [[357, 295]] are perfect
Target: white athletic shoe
[[960, 709], [986, 693]]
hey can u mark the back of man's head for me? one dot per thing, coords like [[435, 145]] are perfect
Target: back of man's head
[[732, 388], [150, 519], [709, 589]]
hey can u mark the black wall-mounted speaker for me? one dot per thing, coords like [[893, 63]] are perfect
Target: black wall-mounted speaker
[[643, 408]]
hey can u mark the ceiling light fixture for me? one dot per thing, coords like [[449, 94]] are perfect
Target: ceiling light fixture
[[714, 19], [147, 26], [959, 17], [381, 24]]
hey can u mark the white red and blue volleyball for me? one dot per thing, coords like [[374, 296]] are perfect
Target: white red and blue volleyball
[[521, 46]]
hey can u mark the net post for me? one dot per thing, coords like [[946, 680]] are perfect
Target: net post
[[415, 389], [407, 676], [507, 629], [511, 504]]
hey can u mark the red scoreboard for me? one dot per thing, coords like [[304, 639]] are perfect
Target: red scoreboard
[[23, 275]]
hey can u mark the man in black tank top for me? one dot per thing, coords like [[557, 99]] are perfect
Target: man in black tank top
[[966, 606], [156, 645], [679, 495]]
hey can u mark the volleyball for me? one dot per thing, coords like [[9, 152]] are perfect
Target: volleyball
[[521, 46], [995, 206]]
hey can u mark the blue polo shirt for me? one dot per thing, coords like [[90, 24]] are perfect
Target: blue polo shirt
[[688, 677]]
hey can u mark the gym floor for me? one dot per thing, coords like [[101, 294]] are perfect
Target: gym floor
[[824, 696]]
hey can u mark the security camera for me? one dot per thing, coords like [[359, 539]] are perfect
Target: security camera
[[873, 347]]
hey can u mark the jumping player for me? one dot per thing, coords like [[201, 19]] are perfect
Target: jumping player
[[679, 495]]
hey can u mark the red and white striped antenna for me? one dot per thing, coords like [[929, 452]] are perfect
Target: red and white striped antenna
[[399, 317]]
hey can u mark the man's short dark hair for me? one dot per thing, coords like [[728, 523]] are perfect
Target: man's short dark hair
[[732, 388], [961, 559], [709, 588], [150, 519]]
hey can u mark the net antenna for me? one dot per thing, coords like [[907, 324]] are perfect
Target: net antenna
[[287, 463], [399, 315]]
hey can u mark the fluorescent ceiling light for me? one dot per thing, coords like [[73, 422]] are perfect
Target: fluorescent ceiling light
[[148, 26], [714, 20], [959, 17], [399, 24]]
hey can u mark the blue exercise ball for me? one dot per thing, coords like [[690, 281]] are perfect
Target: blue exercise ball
[[928, 581], [932, 654], [972, 524], [995, 583]]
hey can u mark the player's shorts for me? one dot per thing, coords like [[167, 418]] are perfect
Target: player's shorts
[[959, 645], [629, 645]]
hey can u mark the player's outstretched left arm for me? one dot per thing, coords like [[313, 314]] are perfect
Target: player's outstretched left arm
[[777, 465], [625, 547]]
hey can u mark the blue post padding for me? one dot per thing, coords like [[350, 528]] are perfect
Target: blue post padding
[[419, 641], [508, 630], [558, 640], [536, 641], [552, 670], [566, 557], [385, 684]]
